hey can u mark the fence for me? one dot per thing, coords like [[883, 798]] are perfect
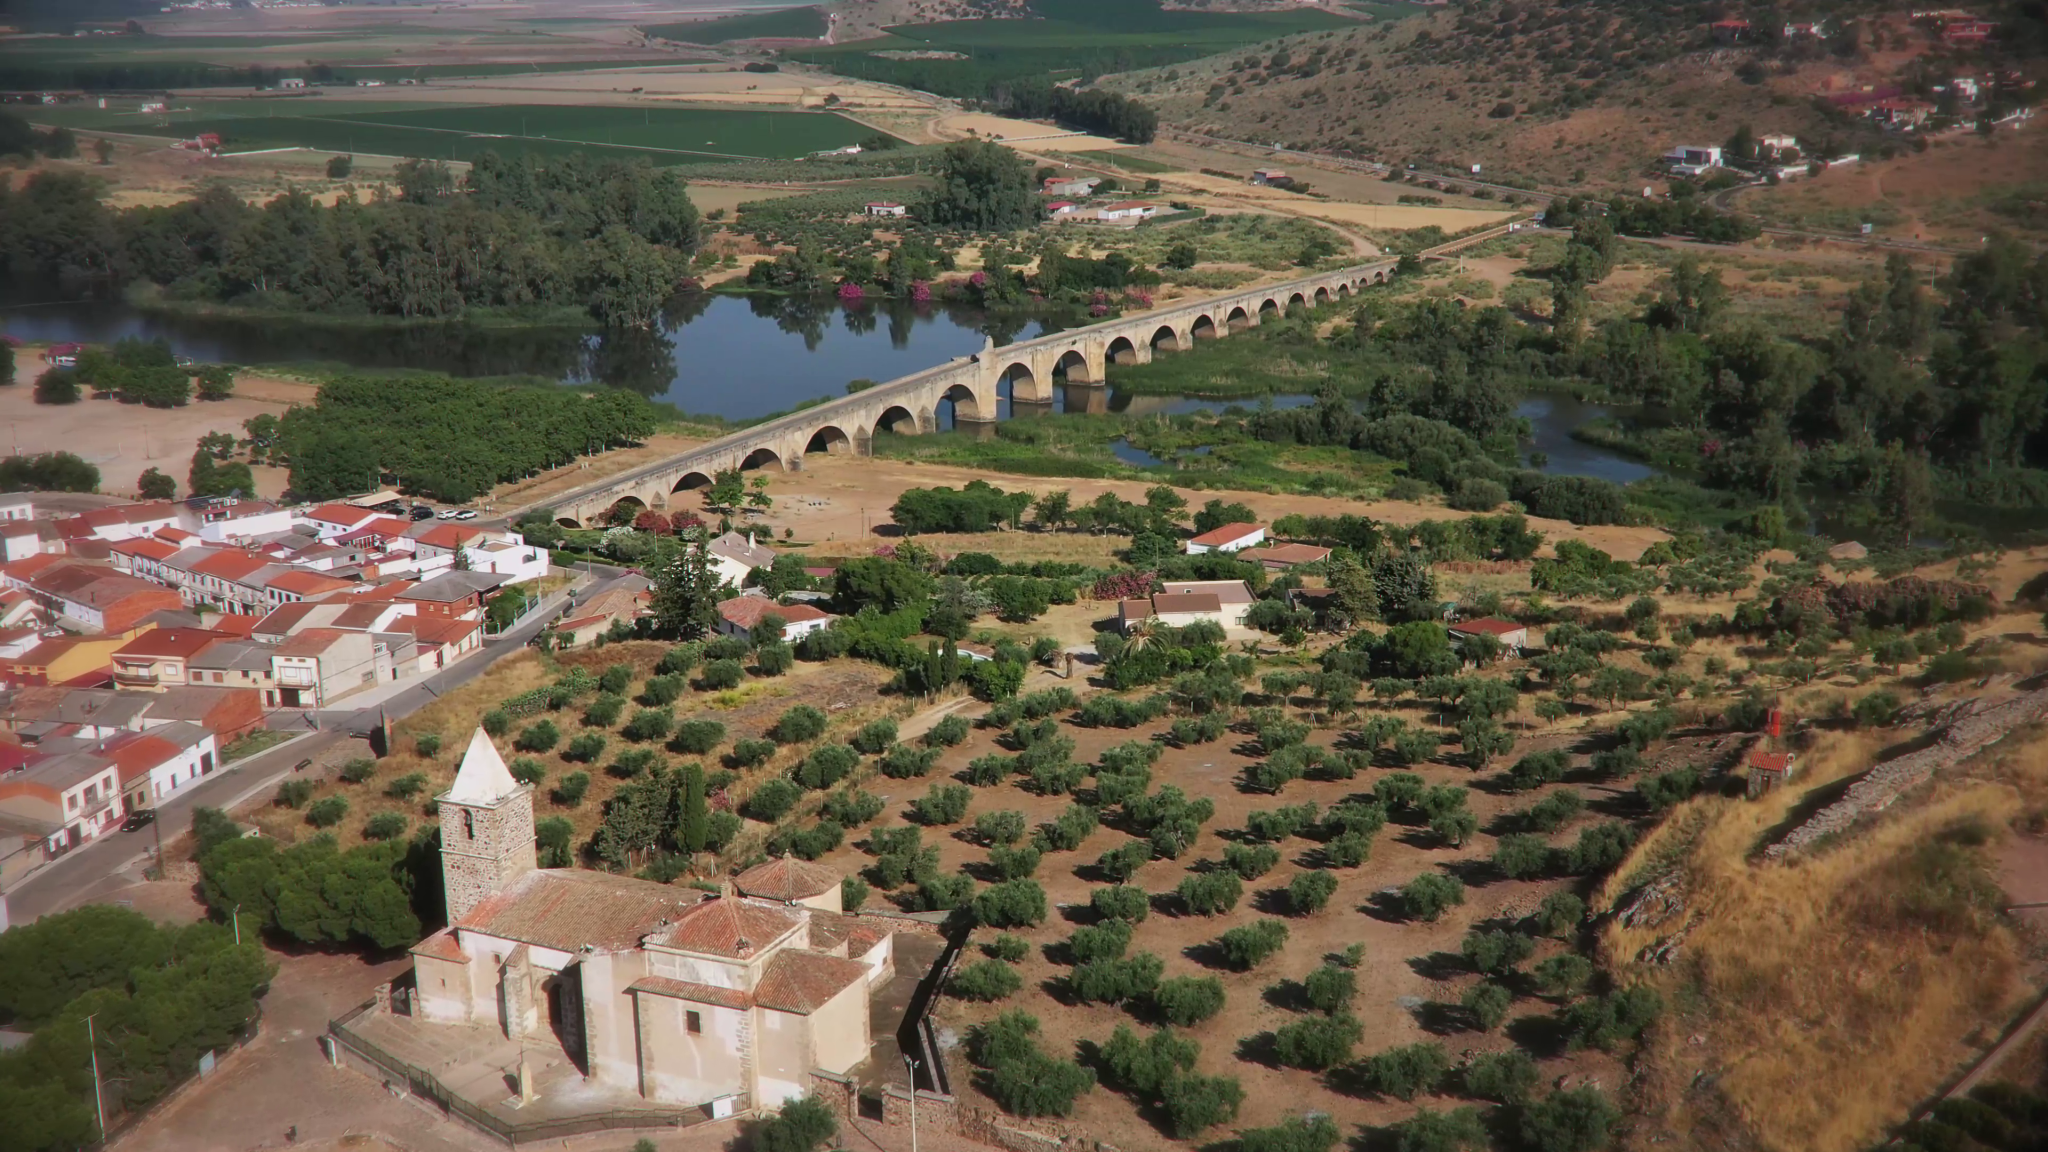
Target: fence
[[419, 1082], [128, 1123]]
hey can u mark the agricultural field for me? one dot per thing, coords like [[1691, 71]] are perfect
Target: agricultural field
[[460, 132], [806, 23], [1070, 38]]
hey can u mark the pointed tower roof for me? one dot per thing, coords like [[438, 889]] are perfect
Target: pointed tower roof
[[483, 777]]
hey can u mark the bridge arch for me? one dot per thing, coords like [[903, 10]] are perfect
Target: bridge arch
[[764, 458], [691, 480], [897, 420], [1322, 297], [1298, 299], [568, 522], [1238, 319], [1268, 307], [1169, 339], [831, 440], [624, 509], [966, 406], [1024, 383], [1204, 328], [1073, 363], [1121, 351], [1343, 291]]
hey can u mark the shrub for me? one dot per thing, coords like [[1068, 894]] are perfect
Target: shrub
[[1569, 1120], [1116, 981], [1330, 988], [984, 771], [1459, 1130], [1564, 974], [647, 725], [1487, 1004], [1076, 822], [678, 660], [774, 658], [947, 733], [1604, 1021], [1407, 1072], [986, 980], [772, 801], [1310, 892], [852, 808], [1005, 826], [294, 793], [720, 675], [942, 891], [853, 891], [1104, 941], [632, 763], [1505, 1077], [1194, 1104], [527, 770], [1521, 856], [1010, 904], [661, 691], [1876, 709], [1013, 863], [1429, 896], [943, 804], [385, 826], [1188, 1000], [1277, 824], [874, 737], [749, 753], [1316, 1133], [1600, 847], [797, 725], [810, 843], [1553, 811], [904, 762], [697, 737], [407, 786], [1210, 893], [538, 736], [496, 722], [327, 811], [358, 770], [584, 748], [1007, 948], [1317, 1042], [1496, 953], [1348, 851], [1249, 945], [801, 1126], [603, 712], [1559, 913], [826, 765], [1249, 861], [1120, 902], [569, 791], [1143, 1066], [1538, 768]]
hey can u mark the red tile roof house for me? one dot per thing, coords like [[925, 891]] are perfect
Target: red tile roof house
[[227, 712], [1512, 636], [1233, 597], [158, 658], [1767, 770], [315, 667], [440, 642], [1173, 609], [453, 595], [121, 522], [21, 539], [1280, 557], [218, 580], [78, 794], [330, 520], [1229, 538], [285, 585], [95, 599], [740, 615], [593, 618], [158, 762]]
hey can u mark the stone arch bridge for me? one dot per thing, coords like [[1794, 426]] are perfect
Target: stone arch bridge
[[1025, 373]]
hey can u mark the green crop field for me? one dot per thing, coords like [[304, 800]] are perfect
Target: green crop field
[[780, 24], [1072, 38], [460, 132]]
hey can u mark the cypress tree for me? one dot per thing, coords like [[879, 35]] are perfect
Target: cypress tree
[[693, 825]]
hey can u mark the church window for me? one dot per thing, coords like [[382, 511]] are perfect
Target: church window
[[693, 1023], [468, 824]]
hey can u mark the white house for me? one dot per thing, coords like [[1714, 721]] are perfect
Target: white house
[[1128, 210], [291, 82], [1691, 160], [740, 615], [1512, 636], [158, 762], [732, 556], [1233, 598], [1229, 538], [17, 506], [886, 208]]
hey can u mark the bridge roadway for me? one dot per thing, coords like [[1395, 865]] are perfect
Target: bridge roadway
[[972, 384]]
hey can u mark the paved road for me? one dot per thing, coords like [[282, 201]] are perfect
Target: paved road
[[98, 868]]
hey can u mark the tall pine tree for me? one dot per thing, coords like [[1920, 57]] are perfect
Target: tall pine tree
[[693, 817], [685, 600]]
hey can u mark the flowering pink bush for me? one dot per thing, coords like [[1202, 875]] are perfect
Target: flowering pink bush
[[1710, 447], [979, 279], [1124, 586], [851, 292], [1138, 298], [1098, 309], [921, 292]]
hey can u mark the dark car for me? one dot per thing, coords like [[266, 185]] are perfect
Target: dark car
[[391, 508], [422, 512], [138, 819]]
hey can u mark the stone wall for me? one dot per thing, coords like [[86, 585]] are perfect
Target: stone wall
[[1966, 731]]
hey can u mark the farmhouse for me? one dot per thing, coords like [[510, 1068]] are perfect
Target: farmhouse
[[726, 1001], [1280, 557], [1228, 538], [1271, 176], [290, 82], [1691, 160], [1128, 210], [1233, 598], [886, 208], [733, 557], [740, 615], [1512, 636], [1730, 31], [1070, 185]]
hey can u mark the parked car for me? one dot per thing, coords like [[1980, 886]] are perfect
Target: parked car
[[422, 512], [140, 818], [466, 514], [445, 514]]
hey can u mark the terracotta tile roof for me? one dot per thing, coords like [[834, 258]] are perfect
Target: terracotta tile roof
[[1167, 602], [730, 927], [448, 536], [232, 624], [734, 998], [1133, 609], [1487, 625], [803, 982], [566, 908], [303, 583], [1226, 534], [1770, 761], [311, 642], [787, 879], [395, 590], [437, 629], [441, 946], [28, 566], [138, 754], [146, 548], [341, 514], [230, 564], [283, 618], [746, 611], [177, 642], [858, 935], [1225, 591]]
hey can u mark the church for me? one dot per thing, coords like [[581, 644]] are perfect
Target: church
[[727, 1000]]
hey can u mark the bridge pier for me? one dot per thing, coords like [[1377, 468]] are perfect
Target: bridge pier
[[1086, 399], [1021, 408], [980, 429]]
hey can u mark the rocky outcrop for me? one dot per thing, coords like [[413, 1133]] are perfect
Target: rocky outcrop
[[1965, 730]]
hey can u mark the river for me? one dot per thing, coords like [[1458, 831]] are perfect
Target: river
[[736, 357]]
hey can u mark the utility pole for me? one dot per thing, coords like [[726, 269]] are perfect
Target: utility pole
[[912, 1064], [99, 1106], [237, 915]]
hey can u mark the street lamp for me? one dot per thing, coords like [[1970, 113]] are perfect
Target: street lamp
[[912, 1065], [99, 1106], [237, 914]]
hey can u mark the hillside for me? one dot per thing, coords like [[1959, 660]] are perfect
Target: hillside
[[1558, 93]]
